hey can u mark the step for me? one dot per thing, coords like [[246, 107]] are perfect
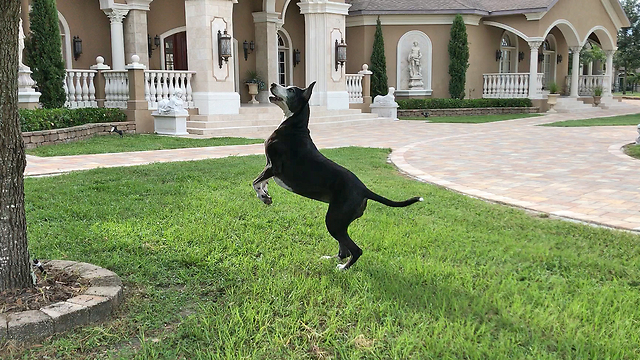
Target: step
[[264, 131], [566, 105]]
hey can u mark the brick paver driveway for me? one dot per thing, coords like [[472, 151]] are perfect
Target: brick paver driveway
[[577, 173]]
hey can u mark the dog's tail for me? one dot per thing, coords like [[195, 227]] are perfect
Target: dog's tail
[[375, 197]]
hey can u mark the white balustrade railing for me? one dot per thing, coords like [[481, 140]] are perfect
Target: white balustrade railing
[[116, 88], [80, 89], [588, 83], [354, 88], [162, 84], [506, 86], [539, 86]]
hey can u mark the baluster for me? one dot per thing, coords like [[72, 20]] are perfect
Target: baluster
[[172, 88], [159, 87], [120, 92], [152, 89], [78, 88], [85, 89], [72, 90], [66, 88], [183, 87], [189, 91], [147, 93], [526, 85], [165, 86], [92, 90]]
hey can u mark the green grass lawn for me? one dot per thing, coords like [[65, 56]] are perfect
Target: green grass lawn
[[212, 273], [628, 94], [633, 151], [133, 142], [474, 119], [606, 121]]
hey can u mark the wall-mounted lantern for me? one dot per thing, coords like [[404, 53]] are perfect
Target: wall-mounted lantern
[[559, 59], [296, 57], [77, 47], [150, 46], [341, 53], [498, 55], [224, 47], [248, 48], [520, 56], [540, 57]]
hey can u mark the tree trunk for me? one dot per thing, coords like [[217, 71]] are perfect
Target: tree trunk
[[15, 269], [624, 83]]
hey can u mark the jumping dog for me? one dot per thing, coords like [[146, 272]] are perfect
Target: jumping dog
[[295, 163]]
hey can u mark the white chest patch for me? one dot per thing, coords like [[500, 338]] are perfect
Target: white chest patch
[[282, 184]]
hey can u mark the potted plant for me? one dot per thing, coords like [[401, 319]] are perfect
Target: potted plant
[[255, 84], [597, 95], [552, 96]]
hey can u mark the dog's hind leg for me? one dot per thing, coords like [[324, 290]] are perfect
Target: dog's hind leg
[[338, 220], [260, 185]]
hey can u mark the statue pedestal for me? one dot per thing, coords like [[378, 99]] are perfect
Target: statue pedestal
[[170, 124], [28, 97], [416, 83]]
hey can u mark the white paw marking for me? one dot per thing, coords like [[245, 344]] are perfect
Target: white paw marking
[[421, 199], [341, 267]]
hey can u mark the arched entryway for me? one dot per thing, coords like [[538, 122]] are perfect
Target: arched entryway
[[173, 52]]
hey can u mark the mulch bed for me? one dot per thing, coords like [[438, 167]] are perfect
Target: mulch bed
[[51, 287]]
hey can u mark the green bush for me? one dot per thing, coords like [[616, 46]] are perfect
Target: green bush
[[43, 53], [461, 103], [458, 58], [47, 119]]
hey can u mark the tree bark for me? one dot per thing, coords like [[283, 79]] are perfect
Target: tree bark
[[15, 269]]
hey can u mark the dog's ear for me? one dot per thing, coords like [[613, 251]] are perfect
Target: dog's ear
[[308, 91]]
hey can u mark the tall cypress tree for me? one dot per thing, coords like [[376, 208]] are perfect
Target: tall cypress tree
[[379, 80], [458, 58], [43, 53]]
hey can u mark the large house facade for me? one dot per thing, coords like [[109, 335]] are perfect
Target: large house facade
[[517, 47]]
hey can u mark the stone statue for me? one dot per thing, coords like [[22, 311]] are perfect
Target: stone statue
[[20, 45], [415, 58], [638, 138], [389, 99], [172, 106]]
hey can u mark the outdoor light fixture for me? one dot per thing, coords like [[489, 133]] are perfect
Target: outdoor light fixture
[[77, 47], [520, 56], [296, 57], [498, 55], [224, 47], [559, 59], [341, 53], [248, 48], [156, 43], [540, 57]]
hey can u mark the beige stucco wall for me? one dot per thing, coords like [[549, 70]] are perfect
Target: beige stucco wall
[[86, 20], [294, 25], [164, 15], [244, 29]]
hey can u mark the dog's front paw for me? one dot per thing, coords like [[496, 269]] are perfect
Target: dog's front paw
[[342, 267]]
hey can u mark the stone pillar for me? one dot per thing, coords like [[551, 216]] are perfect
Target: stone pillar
[[135, 36], [99, 81], [137, 106], [366, 87], [213, 86], [533, 69], [575, 71], [608, 81], [116, 16], [266, 53], [324, 24]]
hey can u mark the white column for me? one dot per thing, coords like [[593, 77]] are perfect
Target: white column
[[533, 69], [324, 23], [608, 85], [213, 86], [116, 16], [266, 52], [575, 71]]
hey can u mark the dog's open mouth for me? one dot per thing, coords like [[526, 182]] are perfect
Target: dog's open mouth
[[275, 98]]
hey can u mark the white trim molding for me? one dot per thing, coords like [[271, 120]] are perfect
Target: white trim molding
[[572, 37], [598, 30], [323, 7], [395, 19], [165, 35], [615, 18], [535, 16], [512, 30], [68, 57]]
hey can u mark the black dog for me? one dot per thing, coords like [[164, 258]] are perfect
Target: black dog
[[295, 163]]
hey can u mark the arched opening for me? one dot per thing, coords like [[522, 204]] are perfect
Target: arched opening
[[173, 52], [65, 36], [548, 55], [508, 53], [285, 58]]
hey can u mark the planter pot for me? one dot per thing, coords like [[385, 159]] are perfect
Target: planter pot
[[552, 101], [596, 100], [253, 91]]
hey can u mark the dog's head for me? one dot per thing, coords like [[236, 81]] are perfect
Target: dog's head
[[291, 99]]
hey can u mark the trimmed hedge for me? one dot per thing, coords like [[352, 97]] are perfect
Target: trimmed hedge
[[461, 103], [47, 119]]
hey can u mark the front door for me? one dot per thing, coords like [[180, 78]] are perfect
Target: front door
[[175, 52]]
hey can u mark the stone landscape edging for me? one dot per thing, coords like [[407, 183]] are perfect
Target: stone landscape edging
[[33, 139], [94, 305]]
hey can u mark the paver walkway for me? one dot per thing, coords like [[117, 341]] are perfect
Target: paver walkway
[[577, 173]]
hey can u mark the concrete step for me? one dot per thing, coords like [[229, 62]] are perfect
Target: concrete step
[[612, 103], [566, 105], [263, 131]]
